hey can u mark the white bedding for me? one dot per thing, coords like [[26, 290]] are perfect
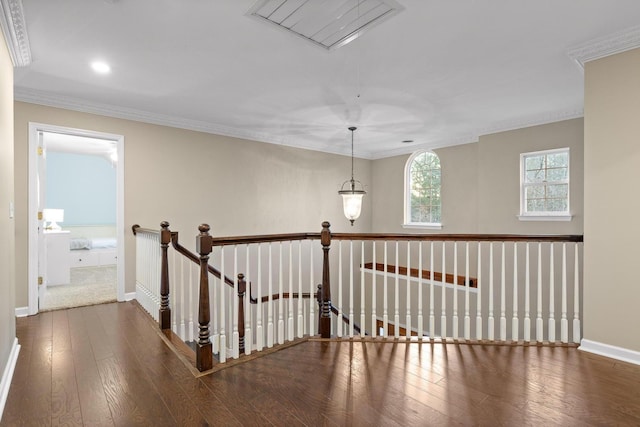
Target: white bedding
[[95, 243]]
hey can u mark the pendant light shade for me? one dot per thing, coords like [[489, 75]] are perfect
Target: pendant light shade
[[354, 192]]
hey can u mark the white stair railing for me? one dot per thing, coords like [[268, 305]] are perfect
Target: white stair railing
[[272, 281], [148, 270], [469, 297]]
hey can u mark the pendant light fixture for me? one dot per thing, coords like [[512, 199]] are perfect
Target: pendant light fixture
[[352, 197]]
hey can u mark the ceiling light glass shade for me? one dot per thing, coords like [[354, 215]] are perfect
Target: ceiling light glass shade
[[352, 196], [352, 200]]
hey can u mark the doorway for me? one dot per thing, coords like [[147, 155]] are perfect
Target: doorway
[[82, 239]]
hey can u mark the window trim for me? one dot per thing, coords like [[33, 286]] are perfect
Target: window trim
[[407, 223], [544, 216]]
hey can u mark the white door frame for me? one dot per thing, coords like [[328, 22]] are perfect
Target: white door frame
[[34, 128]]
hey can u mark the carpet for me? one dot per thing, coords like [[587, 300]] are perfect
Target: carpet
[[89, 286]]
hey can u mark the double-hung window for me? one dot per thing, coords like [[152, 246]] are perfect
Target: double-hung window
[[544, 185]]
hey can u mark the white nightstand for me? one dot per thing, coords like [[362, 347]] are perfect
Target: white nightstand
[[56, 269]]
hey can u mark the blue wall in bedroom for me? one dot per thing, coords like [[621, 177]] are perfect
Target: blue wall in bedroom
[[84, 186]]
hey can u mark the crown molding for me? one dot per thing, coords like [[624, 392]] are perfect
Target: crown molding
[[14, 28], [618, 42], [76, 104], [533, 120]]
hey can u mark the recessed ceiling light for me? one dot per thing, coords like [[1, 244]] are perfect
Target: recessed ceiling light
[[100, 67], [407, 141]]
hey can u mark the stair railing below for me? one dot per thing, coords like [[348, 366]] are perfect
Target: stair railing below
[[472, 288], [226, 321]]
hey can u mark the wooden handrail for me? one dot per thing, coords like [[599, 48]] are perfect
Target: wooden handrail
[[460, 237], [137, 229], [194, 258], [263, 238], [426, 274], [266, 238], [184, 251], [285, 295]]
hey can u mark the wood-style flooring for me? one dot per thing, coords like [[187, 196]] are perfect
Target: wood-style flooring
[[107, 365]]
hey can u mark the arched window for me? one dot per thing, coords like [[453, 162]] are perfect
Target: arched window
[[423, 205]]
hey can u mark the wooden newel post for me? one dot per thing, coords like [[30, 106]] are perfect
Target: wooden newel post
[[242, 289], [325, 297], [204, 353], [164, 315]]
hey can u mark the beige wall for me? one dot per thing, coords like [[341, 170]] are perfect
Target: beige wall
[[612, 171], [7, 277], [187, 178], [480, 183]]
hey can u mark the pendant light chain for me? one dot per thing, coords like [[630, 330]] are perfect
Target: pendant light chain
[[352, 161]]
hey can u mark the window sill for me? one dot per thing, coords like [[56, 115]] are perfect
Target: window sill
[[434, 226], [545, 217]]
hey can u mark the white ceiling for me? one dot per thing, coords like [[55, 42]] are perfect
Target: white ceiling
[[439, 72]]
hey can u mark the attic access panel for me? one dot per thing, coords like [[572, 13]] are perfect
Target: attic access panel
[[326, 23]]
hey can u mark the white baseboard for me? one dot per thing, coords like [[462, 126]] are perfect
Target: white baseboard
[[607, 350], [129, 296], [5, 382], [22, 311]]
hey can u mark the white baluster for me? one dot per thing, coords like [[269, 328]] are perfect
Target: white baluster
[[385, 313], [503, 303], [491, 324], [564, 322], [312, 290], [420, 283], [193, 304], [576, 298], [281, 297], [248, 338], [351, 315], [270, 299], [339, 317], [479, 295], [552, 320], [443, 308], [362, 296], [300, 300], [175, 299], [222, 304], [259, 331], [236, 335], [467, 318], [396, 299], [184, 304], [215, 313], [408, 319], [290, 329], [432, 314], [515, 321], [270, 325], [456, 322], [539, 322], [527, 303], [374, 290]]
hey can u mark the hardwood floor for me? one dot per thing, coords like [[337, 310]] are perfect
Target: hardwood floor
[[107, 365]]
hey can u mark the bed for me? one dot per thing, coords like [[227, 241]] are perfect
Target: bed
[[91, 246]]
